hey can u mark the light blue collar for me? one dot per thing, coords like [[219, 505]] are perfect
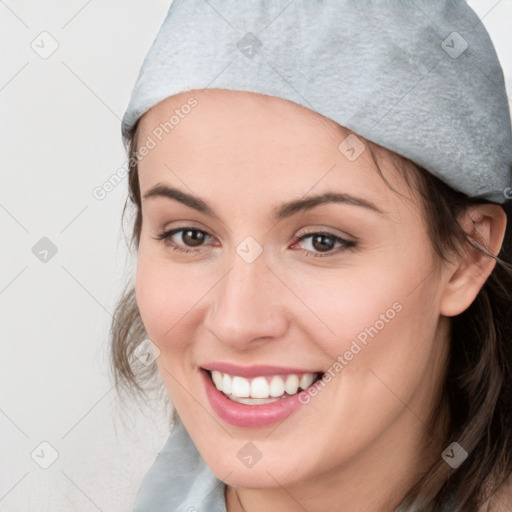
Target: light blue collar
[[179, 480]]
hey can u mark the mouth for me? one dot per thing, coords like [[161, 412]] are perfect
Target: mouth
[[263, 389], [257, 399]]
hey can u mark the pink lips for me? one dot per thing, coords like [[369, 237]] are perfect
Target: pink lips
[[254, 371], [242, 415]]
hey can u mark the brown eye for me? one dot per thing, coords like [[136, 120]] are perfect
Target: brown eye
[[323, 244], [192, 237]]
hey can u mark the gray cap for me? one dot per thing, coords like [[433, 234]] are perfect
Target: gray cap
[[420, 78]]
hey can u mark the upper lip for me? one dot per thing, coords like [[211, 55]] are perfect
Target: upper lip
[[254, 370]]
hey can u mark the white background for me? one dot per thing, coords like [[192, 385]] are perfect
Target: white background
[[59, 139]]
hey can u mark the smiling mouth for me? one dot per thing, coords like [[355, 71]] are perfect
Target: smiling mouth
[[261, 389]]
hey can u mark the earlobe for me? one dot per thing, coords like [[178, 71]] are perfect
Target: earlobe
[[485, 224]]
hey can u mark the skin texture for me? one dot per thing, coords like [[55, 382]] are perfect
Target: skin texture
[[364, 439]]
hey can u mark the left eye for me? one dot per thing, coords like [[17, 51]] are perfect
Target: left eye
[[324, 242]]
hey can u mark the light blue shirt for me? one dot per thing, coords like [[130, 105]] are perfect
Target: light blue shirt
[[179, 480]]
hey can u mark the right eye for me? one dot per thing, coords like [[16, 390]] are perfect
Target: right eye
[[190, 237]]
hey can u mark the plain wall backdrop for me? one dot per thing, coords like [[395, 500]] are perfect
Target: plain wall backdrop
[[66, 76]]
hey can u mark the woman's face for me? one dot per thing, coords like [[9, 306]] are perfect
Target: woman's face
[[257, 287]]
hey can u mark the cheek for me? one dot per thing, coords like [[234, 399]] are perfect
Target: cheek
[[161, 301], [381, 316], [169, 298], [357, 302]]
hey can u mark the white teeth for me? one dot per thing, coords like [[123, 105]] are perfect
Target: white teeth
[[261, 389], [306, 380], [217, 379], [292, 384], [240, 387], [226, 384], [254, 401], [276, 386]]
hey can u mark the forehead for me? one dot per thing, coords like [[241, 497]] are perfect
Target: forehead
[[262, 143], [236, 116]]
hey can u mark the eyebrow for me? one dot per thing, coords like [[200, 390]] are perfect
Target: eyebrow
[[279, 213]]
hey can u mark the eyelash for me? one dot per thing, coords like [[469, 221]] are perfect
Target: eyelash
[[347, 244]]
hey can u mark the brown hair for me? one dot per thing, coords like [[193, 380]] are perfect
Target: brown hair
[[477, 387]]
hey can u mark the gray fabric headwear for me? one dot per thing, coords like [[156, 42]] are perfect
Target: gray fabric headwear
[[420, 78]]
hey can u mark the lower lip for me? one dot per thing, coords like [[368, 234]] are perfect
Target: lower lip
[[243, 415]]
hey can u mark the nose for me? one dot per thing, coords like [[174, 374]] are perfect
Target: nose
[[247, 305]]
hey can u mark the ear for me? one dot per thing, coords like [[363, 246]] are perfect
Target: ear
[[485, 224]]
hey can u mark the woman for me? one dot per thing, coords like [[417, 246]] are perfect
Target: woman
[[323, 257]]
